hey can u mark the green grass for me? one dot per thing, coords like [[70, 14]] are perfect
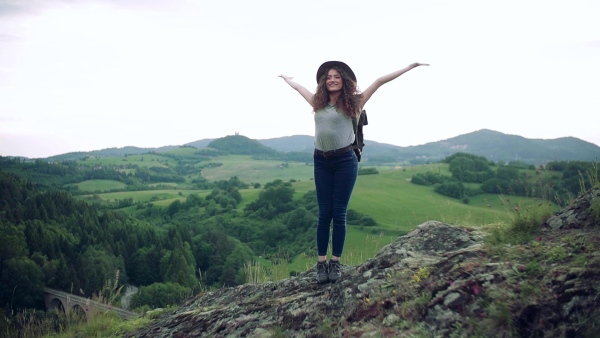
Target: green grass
[[361, 244], [100, 325], [254, 171], [165, 197], [99, 185], [399, 206], [248, 195], [157, 197]]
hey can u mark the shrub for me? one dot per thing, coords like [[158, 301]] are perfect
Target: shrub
[[368, 171], [454, 189], [418, 179], [159, 295], [429, 178], [368, 221]]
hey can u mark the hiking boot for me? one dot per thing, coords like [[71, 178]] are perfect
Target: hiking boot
[[322, 272], [335, 271]]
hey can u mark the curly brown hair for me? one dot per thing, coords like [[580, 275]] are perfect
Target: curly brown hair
[[348, 101]]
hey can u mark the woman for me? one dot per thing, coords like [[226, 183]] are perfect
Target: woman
[[336, 101]]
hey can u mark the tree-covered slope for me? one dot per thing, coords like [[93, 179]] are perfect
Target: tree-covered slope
[[241, 145]]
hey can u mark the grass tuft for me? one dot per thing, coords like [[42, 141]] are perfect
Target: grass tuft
[[524, 225]]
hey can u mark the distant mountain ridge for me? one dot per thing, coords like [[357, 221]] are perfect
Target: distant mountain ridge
[[497, 146], [493, 145]]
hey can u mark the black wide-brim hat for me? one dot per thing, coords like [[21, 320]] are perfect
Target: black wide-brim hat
[[338, 64]]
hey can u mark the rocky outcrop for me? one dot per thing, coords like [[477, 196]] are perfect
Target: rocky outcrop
[[438, 280], [582, 213]]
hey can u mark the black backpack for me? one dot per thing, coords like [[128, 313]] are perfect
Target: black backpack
[[358, 124]]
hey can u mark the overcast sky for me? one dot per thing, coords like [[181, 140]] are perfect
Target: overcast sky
[[93, 74]]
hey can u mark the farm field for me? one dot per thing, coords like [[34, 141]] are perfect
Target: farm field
[[254, 171], [98, 185], [158, 197]]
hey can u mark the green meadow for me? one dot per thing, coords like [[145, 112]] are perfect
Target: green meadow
[[158, 197], [399, 206], [253, 171], [389, 197], [99, 185]]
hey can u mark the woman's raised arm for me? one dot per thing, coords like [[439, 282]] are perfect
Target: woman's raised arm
[[307, 95], [366, 95]]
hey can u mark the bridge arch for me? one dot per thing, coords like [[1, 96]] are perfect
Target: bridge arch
[[54, 304], [78, 312], [75, 305]]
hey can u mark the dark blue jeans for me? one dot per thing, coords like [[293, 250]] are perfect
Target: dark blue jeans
[[334, 180]]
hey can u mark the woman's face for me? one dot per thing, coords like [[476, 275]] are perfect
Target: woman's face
[[334, 81]]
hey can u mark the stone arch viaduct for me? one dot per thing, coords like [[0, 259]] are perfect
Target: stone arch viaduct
[[54, 299]]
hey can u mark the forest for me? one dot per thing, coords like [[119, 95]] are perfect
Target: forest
[[57, 241]]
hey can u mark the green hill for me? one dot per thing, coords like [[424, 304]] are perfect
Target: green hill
[[241, 145], [491, 144]]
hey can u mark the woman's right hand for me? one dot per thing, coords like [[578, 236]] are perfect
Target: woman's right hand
[[303, 91], [285, 77]]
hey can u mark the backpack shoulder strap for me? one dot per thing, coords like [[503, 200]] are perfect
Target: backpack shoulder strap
[[357, 123]]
